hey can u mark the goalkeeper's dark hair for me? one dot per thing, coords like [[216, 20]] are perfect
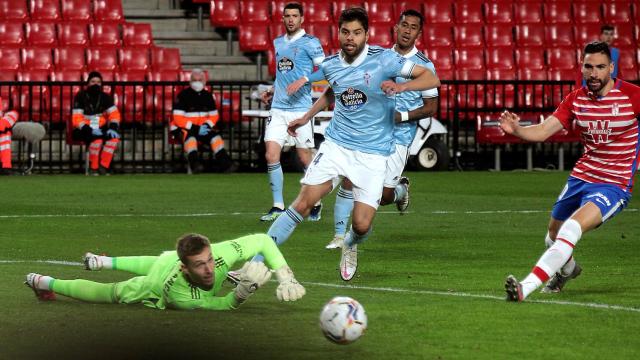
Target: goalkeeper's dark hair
[[191, 244], [598, 47], [294, 5], [411, 12], [354, 14]]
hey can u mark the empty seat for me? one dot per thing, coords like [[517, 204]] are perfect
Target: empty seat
[[624, 35], [468, 35], [498, 35], [69, 58], [558, 35], [527, 12], [164, 75], [11, 34], [134, 59], [41, 34], [442, 58], [499, 12], [255, 12], [13, 10], [108, 10], [380, 12], [557, 12], [277, 6], [253, 38], [628, 67], [37, 58], [137, 35], [530, 58], [470, 59], [44, 9], [560, 75], [381, 35], [340, 5], [587, 13], [466, 12], [586, 33], [400, 6], [33, 99], [440, 12], [563, 58], [62, 96], [323, 33], [225, 13], [102, 59], [318, 12], [165, 59], [105, 34], [11, 58], [500, 96], [438, 36], [500, 58], [528, 35], [76, 10], [73, 34]]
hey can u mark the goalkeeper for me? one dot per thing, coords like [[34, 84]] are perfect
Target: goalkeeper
[[188, 278]]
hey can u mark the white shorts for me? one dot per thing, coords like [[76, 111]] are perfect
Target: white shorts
[[276, 129], [395, 165], [366, 171]]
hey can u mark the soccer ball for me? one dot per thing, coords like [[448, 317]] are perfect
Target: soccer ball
[[343, 320]]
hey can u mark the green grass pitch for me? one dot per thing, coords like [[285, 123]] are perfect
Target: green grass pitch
[[431, 281]]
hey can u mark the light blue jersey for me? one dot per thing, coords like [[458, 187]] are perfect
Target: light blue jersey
[[411, 100], [363, 114], [295, 58]]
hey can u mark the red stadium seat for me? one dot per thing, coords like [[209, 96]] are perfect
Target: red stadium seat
[[33, 99], [324, 34], [530, 58], [76, 10], [564, 58], [467, 12], [69, 58], [11, 34], [500, 96], [41, 34], [13, 10], [440, 12], [271, 62], [586, 33], [108, 10], [105, 34], [527, 12], [253, 38], [531, 95], [471, 59], [529, 35], [498, 35], [137, 35], [624, 35], [628, 65], [558, 35], [165, 59], [164, 75], [468, 35], [400, 6], [438, 36], [500, 12], [587, 13], [73, 34], [229, 106], [277, 6], [557, 12], [381, 35], [134, 60], [11, 58], [62, 96], [560, 75], [255, 12], [102, 59], [380, 12], [501, 74], [317, 12], [37, 58], [500, 58], [442, 58], [340, 5], [225, 13], [44, 10]]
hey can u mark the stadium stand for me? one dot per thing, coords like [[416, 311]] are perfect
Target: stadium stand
[[41, 33], [44, 10], [108, 11], [13, 10], [76, 11]]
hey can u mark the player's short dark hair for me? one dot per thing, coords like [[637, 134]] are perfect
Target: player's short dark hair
[[597, 47], [294, 5], [191, 244], [354, 14], [606, 27], [411, 12]]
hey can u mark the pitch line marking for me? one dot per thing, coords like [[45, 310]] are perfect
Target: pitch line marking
[[394, 290]]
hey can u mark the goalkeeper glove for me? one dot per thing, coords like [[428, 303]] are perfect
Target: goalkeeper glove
[[204, 130], [289, 288], [252, 276], [112, 134]]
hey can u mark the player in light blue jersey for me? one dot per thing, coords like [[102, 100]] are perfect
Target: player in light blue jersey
[[359, 138], [410, 106], [296, 55]]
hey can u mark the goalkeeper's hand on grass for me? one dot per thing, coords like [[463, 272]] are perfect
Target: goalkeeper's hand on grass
[[252, 276], [289, 288]]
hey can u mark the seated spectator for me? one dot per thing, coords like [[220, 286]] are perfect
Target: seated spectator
[[7, 120]]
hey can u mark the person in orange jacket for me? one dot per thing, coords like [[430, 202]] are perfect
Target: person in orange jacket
[[7, 120], [96, 121]]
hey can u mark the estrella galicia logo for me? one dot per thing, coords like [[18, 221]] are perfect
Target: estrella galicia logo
[[353, 99], [285, 65]]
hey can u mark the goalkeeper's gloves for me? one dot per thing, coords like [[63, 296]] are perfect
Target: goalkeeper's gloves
[[112, 134], [97, 132], [204, 130], [252, 276], [289, 288]]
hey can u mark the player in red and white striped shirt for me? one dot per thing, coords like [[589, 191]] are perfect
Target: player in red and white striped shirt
[[605, 112]]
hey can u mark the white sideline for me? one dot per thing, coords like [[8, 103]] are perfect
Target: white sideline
[[396, 290]]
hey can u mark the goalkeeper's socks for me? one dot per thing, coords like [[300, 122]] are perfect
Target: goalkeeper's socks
[[282, 228], [354, 238], [342, 210], [400, 192], [276, 180]]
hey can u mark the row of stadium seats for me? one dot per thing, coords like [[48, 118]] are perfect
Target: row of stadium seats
[[56, 10], [75, 34], [80, 59], [236, 13]]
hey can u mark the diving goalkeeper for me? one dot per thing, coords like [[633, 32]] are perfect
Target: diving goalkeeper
[[188, 278]]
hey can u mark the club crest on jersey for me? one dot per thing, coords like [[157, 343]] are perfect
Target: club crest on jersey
[[599, 131], [285, 65], [353, 99], [615, 109]]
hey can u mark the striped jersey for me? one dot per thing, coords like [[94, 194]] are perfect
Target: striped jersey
[[608, 126]]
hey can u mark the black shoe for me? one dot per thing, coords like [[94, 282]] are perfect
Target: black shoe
[[5, 172], [104, 171]]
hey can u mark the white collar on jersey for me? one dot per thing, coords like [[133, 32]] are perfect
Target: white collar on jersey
[[295, 36], [407, 55], [358, 60]]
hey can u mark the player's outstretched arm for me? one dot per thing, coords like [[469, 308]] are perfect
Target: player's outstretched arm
[[322, 102], [423, 79], [510, 123]]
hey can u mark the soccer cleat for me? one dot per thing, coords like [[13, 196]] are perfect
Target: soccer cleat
[[558, 281], [92, 262], [513, 289], [403, 204], [32, 282], [336, 243], [349, 262], [272, 214], [316, 213]]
